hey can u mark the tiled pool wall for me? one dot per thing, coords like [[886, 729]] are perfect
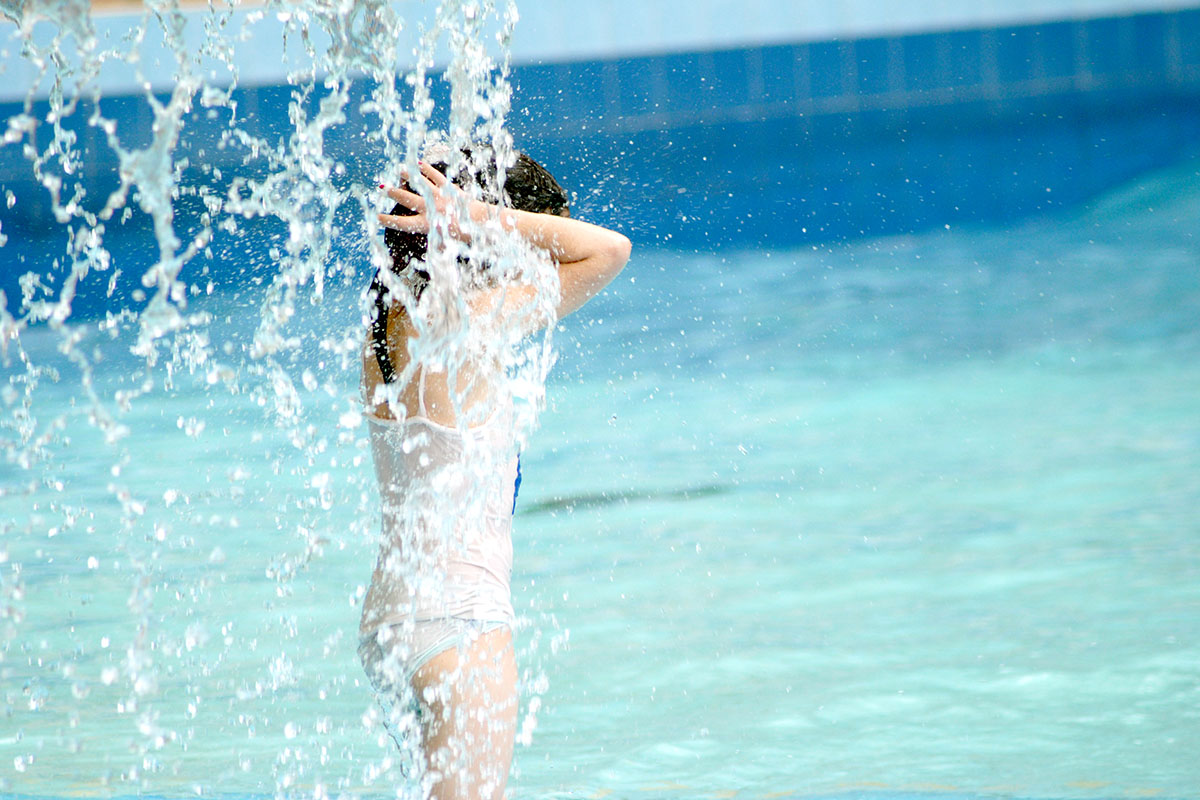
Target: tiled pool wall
[[788, 142], [835, 139]]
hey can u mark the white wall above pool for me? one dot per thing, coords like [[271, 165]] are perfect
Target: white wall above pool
[[558, 30]]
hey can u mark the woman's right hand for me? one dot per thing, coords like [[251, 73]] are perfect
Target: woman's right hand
[[447, 202], [588, 256]]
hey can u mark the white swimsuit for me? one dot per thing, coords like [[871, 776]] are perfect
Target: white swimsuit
[[448, 495], [446, 558]]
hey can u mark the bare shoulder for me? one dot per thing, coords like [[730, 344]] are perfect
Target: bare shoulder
[[513, 306]]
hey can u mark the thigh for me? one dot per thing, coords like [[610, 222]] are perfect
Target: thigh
[[469, 714]]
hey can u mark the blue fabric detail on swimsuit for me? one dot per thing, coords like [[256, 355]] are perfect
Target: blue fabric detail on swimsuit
[[517, 485]]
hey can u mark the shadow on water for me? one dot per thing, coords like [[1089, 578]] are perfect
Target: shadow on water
[[602, 499]]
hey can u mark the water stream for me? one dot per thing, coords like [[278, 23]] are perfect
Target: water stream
[[139, 422]]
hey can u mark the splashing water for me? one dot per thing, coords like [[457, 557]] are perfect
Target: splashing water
[[137, 637]]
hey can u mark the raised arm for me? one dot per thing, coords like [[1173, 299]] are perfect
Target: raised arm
[[588, 256]]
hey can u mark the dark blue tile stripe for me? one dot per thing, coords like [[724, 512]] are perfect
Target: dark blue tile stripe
[[1156, 52]]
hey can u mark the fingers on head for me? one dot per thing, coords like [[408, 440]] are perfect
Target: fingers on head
[[432, 175], [409, 199], [398, 223]]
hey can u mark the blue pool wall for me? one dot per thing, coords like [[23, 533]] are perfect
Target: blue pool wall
[[781, 143], [830, 140]]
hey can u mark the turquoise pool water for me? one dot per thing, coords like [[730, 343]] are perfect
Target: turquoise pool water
[[907, 516]]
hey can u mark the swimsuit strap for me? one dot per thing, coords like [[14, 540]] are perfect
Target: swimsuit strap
[[421, 395], [379, 331], [379, 343]]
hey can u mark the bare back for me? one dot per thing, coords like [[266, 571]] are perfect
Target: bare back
[[426, 393]]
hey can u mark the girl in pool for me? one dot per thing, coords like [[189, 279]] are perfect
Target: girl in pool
[[436, 636]]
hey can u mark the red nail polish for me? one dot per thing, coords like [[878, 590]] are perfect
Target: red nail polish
[[381, 186]]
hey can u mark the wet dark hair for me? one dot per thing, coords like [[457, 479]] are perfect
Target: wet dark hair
[[528, 186]]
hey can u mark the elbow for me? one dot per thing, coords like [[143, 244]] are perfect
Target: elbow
[[584, 279], [618, 251], [626, 247]]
